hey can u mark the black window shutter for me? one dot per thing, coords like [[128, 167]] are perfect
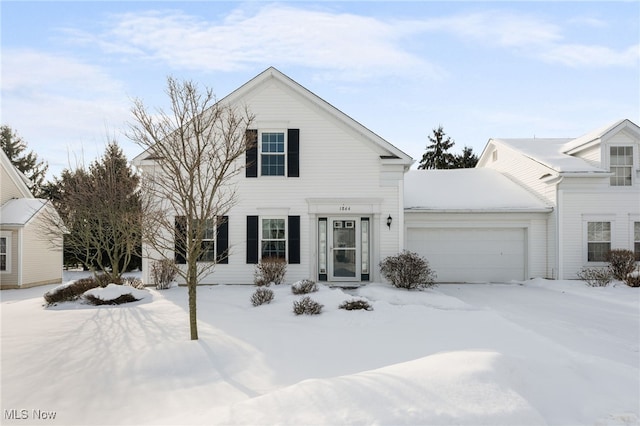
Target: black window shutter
[[293, 152], [251, 138], [294, 239], [180, 240], [252, 239], [222, 240]]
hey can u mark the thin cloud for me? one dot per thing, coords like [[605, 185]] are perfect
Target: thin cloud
[[343, 44]]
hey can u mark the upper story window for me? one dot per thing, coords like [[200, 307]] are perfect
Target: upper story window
[[272, 154], [621, 164]]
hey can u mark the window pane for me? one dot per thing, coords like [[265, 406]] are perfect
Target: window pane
[[636, 231], [597, 252], [272, 165], [3, 245], [208, 251], [273, 249], [273, 142], [3, 262]]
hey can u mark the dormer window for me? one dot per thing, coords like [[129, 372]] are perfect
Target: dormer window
[[621, 165]]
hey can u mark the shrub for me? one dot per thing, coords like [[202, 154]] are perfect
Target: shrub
[[261, 295], [124, 298], [633, 278], [270, 270], [103, 280], [621, 263], [407, 270], [163, 273], [595, 277], [133, 282], [355, 304], [71, 291], [304, 287], [307, 306]]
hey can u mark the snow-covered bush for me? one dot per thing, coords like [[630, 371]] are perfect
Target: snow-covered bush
[[113, 294], [304, 287], [621, 263], [595, 277], [633, 278], [261, 296], [307, 306], [356, 304], [270, 270], [70, 291], [163, 273], [408, 270]]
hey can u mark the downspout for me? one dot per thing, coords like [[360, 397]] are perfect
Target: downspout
[[559, 230], [401, 214], [20, 254]]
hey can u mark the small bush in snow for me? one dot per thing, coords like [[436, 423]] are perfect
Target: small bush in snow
[[163, 273], [407, 270], [71, 291], [124, 298], [595, 277], [304, 287], [633, 278], [307, 306], [133, 282], [621, 263], [356, 304], [270, 270], [261, 296]]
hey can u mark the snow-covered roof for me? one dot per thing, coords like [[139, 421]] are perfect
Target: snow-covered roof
[[551, 153], [591, 136], [467, 190], [19, 211]]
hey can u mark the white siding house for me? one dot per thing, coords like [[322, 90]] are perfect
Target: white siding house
[[333, 199], [323, 204], [27, 258], [592, 183]]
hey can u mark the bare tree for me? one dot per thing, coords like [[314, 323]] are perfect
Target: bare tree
[[193, 155]]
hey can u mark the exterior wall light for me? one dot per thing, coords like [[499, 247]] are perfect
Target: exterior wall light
[[389, 220]]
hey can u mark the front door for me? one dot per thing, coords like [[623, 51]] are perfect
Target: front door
[[344, 254]]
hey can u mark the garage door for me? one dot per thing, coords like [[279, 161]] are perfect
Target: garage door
[[471, 255]]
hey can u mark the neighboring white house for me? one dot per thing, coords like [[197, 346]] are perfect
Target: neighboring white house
[[319, 190], [592, 183], [27, 259], [333, 199]]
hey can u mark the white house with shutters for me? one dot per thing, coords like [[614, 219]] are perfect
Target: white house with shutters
[[333, 198], [318, 189]]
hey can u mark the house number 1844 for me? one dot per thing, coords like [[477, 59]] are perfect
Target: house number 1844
[[345, 208]]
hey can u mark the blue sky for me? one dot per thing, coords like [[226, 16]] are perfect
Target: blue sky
[[480, 69]]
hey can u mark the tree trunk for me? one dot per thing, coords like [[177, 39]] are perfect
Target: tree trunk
[[193, 319]]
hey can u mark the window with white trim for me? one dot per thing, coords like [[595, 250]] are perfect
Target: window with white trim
[[272, 154], [598, 241], [5, 252], [636, 240], [621, 165], [274, 238]]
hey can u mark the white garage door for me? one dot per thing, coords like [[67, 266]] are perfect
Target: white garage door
[[471, 255]]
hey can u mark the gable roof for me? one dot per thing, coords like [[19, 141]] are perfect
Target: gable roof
[[467, 190], [272, 73], [599, 134], [19, 179], [19, 211], [549, 152]]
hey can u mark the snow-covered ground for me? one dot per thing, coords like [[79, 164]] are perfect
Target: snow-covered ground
[[533, 353]]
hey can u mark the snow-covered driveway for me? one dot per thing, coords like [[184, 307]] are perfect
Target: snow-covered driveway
[[588, 322]]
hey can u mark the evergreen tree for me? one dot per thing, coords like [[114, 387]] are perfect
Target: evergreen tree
[[101, 211], [26, 162], [466, 160], [437, 155]]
